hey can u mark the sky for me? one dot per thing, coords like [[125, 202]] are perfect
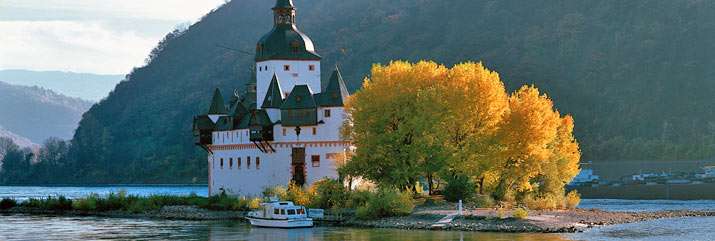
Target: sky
[[89, 36]]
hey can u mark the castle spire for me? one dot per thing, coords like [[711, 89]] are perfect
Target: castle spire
[[284, 12]]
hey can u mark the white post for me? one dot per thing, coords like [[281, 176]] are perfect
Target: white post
[[460, 207]]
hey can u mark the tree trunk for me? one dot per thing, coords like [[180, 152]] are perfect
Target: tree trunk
[[429, 184]]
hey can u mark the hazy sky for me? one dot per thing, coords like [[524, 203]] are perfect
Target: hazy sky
[[95, 36]]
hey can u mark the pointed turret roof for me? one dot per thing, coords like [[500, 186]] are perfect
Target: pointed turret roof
[[336, 93], [274, 96], [300, 98], [284, 4], [217, 105]]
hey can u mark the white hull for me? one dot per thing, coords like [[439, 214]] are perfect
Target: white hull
[[282, 223]]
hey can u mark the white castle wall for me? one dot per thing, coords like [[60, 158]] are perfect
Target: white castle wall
[[299, 74], [275, 168]]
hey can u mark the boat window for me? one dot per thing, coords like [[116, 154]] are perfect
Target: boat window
[[301, 211], [283, 212], [275, 211], [291, 211]]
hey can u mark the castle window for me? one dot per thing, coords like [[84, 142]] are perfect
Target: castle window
[[311, 67], [238, 163], [286, 67], [258, 163], [327, 113], [315, 131], [315, 160], [221, 163], [230, 163], [248, 162]]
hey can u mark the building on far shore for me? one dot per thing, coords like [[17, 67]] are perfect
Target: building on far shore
[[286, 127]]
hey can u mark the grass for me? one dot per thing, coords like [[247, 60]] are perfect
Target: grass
[[133, 203]]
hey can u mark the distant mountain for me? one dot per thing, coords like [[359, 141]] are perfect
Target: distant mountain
[[37, 113], [91, 87], [22, 142]]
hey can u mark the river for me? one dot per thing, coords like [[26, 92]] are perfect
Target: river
[[32, 227]]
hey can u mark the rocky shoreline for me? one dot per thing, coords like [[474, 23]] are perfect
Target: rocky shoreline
[[481, 220]]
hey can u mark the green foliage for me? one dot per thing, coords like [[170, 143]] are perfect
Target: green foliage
[[359, 198], [7, 203], [329, 193], [86, 204], [60, 203], [520, 213], [386, 203], [459, 188]]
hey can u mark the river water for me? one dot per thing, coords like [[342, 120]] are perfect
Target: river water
[[32, 227]]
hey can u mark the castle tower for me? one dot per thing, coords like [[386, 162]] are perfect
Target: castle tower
[[287, 54]]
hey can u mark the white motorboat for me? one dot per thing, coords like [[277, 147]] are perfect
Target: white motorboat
[[280, 215]]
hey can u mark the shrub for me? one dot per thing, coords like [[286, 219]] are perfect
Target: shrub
[[387, 203], [572, 200], [254, 203], [276, 191], [88, 203], [520, 213], [358, 198], [7, 203], [483, 201], [546, 202], [298, 195], [458, 188], [328, 193]]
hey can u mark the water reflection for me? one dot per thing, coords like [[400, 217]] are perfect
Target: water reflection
[[24, 227]]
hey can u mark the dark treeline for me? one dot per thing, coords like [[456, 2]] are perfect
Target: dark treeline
[[47, 165], [636, 75]]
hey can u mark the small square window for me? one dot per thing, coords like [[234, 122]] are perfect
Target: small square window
[[315, 131], [275, 211], [284, 131], [286, 67], [311, 67], [315, 160], [327, 113]]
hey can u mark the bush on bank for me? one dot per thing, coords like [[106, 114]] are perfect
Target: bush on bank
[[7, 203]]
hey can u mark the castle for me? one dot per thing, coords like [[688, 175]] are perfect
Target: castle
[[290, 132]]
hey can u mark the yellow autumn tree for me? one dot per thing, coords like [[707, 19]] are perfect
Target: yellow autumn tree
[[424, 120], [474, 103], [391, 124]]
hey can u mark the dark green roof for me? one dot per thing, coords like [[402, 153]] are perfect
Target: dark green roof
[[224, 123], [285, 41], [274, 96], [300, 98], [259, 118], [239, 110], [217, 105], [336, 93], [203, 122], [284, 4]]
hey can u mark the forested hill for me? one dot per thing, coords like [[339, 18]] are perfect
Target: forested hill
[[636, 75]]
